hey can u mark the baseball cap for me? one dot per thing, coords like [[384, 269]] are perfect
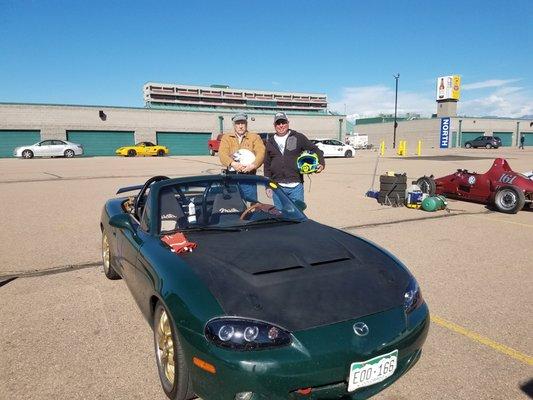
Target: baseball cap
[[239, 117], [280, 116]]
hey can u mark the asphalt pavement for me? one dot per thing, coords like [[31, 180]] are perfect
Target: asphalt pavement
[[68, 332]]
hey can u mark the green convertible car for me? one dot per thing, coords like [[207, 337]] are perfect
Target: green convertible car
[[248, 299]]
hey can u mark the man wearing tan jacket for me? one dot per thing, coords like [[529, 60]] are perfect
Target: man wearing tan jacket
[[240, 138]]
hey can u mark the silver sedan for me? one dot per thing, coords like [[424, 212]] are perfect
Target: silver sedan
[[49, 148]]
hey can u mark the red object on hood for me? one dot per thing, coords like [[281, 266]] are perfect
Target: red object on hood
[[178, 243]]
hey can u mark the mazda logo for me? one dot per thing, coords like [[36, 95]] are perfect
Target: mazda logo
[[360, 329]]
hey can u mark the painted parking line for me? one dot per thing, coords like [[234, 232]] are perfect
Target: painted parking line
[[501, 220], [524, 358]]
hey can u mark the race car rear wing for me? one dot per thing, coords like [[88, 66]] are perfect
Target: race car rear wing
[[129, 189]]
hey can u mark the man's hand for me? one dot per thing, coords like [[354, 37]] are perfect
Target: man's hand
[[248, 168], [319, 169], [237, 166]]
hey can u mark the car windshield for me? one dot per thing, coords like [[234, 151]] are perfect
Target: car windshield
[[235, 202]]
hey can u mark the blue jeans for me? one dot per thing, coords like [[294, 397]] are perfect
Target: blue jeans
[[249, 192], [293, 193]]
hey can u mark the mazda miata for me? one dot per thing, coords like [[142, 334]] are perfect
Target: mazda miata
[[249, 299]]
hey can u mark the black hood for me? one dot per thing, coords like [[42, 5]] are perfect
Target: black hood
[[297, 276]]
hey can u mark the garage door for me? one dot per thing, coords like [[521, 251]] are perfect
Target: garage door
[[11, 139], [101, 143], [466, 136], [185, 143], [506, 137], [528, 141]]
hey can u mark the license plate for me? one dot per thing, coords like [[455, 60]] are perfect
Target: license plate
[[369, 372]]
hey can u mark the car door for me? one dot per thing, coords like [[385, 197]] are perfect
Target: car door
[[338, 147], [44, 148], [58, 148], [478, 142], [325, 147]]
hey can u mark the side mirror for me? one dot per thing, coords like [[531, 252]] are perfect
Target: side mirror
[[122, 221], [300, 204]]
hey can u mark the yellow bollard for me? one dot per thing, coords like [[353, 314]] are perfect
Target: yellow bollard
[[382, 148], [419, 149], [402, 148]]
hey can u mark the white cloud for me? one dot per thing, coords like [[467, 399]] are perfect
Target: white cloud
[[490, 83], [369, 101], [501, 101]]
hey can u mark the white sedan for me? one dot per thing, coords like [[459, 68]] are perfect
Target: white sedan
[[49, 148], [334, 148]]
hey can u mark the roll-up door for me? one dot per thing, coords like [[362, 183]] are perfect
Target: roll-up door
[[185, 143], [528, 138], [506, 137], [467, 136], [12, 138], [101, 143]]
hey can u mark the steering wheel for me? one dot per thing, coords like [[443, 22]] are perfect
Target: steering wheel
[[266, 208], [140, 196]]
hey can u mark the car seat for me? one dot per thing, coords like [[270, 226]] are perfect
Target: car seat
[[172, 215], [227, 206]]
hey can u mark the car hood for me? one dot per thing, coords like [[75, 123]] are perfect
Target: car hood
[[297, 276]]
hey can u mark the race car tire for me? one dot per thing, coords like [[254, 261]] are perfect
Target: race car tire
[[488, 146], [160, 153], [509, 199], [468, 145], [348, 154], [173, 374], [427, 185], [27, 154], [132, 153], [69, 153], [393, 186], [107, 256]]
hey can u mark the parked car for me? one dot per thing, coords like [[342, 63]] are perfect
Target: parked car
[[488, 142], [334, 148], [358, 141], [142, 149], [49, 148], [500, 186], [268, 304]]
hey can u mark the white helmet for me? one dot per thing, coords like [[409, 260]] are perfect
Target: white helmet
[[244, 157]]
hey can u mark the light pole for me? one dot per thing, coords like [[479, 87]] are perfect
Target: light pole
[[397, 76]]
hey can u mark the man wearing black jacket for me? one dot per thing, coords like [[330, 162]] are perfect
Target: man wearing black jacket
[[282, 151]]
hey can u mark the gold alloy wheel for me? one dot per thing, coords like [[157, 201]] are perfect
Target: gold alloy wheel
[[105, 253], [165, 346]]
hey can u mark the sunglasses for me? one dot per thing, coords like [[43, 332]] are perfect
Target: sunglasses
[[281, 122]]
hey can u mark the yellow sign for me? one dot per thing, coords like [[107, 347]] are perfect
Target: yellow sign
[[456, 87]]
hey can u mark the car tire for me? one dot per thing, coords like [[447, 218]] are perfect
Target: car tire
[[488, 146], [107, 255], [427, 185], [160, 153], [211, 152], [393, 179], [468, 145], [171, 366], [69, 153], [132, 153], [509, 199], [348, 154], [393, 186], [27, 154]]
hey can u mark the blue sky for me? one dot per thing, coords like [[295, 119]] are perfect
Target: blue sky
[[102, 52]]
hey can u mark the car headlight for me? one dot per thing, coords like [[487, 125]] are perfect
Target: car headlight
[[245, 334], [412, 297]]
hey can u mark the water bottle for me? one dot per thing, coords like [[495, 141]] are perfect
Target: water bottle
[[192, 213]]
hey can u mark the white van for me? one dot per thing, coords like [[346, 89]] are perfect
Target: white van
[[358, 141]]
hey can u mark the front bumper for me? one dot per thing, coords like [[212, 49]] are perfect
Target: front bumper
[[318, 358]]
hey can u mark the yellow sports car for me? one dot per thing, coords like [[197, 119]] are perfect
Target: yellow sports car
[[142, 149]]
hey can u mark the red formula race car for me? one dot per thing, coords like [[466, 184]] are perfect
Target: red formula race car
[[500, 186]]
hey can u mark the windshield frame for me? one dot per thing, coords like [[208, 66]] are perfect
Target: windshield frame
[[156, 189]]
